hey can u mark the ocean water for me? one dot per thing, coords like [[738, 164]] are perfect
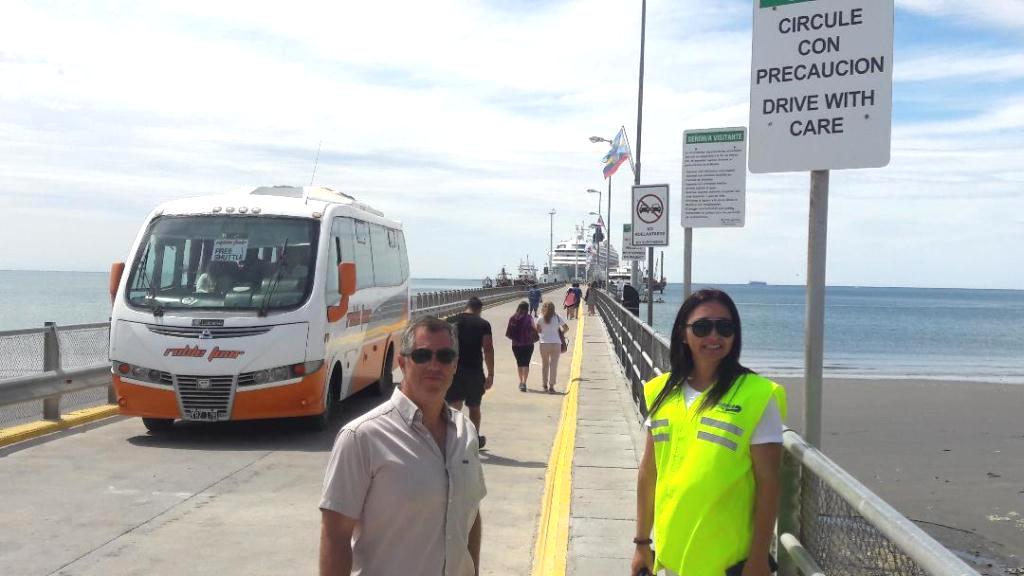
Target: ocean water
[[934, 333], [950, 334]]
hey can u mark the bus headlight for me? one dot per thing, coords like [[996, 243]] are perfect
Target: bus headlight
[[141, 373], [279, 373]]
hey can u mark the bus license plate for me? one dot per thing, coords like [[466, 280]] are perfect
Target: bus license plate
[[202, 414]]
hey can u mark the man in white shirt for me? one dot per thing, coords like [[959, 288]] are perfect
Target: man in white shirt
[[403, 487]]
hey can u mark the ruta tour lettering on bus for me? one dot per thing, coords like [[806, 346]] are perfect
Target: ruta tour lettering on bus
[[197, 352]]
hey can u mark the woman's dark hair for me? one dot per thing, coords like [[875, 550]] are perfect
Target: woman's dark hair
[[682, 361], [523, 307]]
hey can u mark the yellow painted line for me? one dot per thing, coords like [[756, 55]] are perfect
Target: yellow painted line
[[24, 432], [552, 546]]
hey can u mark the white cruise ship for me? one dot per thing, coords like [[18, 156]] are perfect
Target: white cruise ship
[[578, 259]]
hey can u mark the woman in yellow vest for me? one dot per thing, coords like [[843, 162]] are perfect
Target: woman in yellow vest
[[708, 483]]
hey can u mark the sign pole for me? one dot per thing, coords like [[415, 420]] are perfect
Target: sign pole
[[814, 332], [650, 286], [687, 262]]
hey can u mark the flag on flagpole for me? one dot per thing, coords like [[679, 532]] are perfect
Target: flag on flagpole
[[618, 154]]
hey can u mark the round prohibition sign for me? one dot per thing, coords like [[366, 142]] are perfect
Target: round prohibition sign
[[649, 209]]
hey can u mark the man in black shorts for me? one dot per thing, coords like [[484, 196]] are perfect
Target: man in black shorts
[[475, 347]]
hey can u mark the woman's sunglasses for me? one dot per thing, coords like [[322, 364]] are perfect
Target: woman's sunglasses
[[423, 355], [723, 326]]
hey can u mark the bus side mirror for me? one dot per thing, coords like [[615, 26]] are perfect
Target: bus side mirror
[[116, 271], [347, 278], [346, 287]]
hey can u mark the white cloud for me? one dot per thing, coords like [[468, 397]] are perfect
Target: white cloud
[[998, 13], [469, 122]]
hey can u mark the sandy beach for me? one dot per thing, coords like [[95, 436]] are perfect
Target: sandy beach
[[948, 455]]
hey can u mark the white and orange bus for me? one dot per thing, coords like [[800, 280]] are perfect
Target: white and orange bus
[[275, 302]]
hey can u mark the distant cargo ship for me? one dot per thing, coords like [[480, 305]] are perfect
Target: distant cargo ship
[[757, 283]]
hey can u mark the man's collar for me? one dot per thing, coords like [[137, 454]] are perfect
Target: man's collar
[[409, 410]]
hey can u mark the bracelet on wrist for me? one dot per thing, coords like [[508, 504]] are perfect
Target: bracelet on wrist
[[643, 541]]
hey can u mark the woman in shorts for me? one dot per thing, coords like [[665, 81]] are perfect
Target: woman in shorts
[[523, 333]]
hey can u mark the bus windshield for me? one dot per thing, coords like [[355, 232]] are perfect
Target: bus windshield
[[225, 262]]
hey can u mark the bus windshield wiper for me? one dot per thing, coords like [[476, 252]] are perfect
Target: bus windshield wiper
[[155, 306], [281, 261]]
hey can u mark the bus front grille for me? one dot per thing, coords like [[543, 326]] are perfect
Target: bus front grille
[[205, 398]]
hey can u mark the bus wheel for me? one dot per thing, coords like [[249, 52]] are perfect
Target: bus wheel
[[157, 425], [386, 383], [321, 421]]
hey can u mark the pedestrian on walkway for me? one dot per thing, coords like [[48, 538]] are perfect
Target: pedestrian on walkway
[[631, 299], [407, 474], [708, 483], [534, 296], [522, 330], [590, 299], [476, 347], [551, 329], [572, 301]]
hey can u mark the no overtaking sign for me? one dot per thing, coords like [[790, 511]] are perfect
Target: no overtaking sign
[[650, 215]]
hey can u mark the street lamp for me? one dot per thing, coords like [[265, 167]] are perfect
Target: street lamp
[[551, 242], [608, 221]]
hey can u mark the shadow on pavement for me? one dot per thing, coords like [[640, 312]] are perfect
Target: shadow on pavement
[[488, 458]]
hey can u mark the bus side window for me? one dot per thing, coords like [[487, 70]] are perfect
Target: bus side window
[[403, 257], [386, 270], [331, 296], [363, 255]]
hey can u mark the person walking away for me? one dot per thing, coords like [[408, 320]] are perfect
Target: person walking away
[[631, 299], [476, 347], [551, 329], [590, 299], [534, 297], [406, 476], [523, 332], [711, 461]]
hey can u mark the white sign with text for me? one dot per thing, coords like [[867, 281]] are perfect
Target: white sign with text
[[650, 215], [630, 252], [714, 178], [820, 85]]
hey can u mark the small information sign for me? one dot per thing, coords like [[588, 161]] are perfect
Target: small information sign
[[229, 249], [650, 215], [630, 252], [714, 178]]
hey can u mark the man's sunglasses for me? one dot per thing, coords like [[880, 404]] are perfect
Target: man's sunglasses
[[423, 355], [723, 326]]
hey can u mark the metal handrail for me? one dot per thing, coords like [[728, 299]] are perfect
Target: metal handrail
[[914, 542], [644, 353], [54, 382]]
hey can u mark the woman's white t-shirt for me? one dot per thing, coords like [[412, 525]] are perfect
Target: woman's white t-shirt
[[769, 428], [549, 330]]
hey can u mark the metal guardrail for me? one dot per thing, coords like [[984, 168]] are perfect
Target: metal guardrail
[[829, 523], [68, 364]]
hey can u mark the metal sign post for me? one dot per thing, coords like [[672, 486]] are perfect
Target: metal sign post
[[820, 100]]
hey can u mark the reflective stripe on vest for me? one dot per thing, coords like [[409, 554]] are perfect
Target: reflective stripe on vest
[[704, 496]]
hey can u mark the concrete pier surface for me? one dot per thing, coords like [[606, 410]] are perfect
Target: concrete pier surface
[[241, 498]]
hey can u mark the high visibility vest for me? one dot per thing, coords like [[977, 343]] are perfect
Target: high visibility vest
[[704, 499]]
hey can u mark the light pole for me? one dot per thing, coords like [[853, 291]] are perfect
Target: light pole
[[551, 242], [607, 222], [595, 273]]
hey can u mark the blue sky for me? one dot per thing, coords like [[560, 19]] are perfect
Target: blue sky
[[469, 121]]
